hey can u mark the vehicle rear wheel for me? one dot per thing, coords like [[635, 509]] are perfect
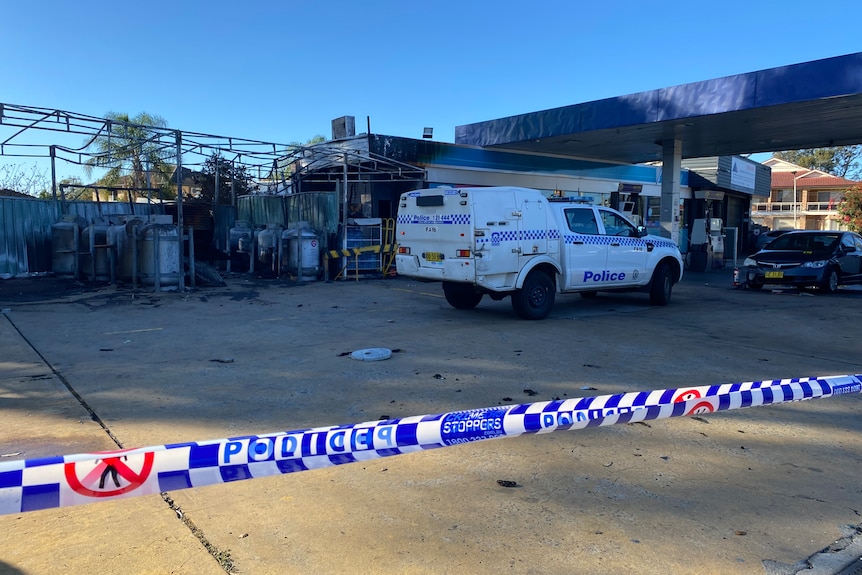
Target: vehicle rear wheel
[[661, 285], [536, 298], [461, 296], [830, 281]]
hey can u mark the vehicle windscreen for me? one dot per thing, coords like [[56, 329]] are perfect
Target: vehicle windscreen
[[805, 242]]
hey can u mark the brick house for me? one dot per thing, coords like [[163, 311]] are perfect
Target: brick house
[[800, 198]]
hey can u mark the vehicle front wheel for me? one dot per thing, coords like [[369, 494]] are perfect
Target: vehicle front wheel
[[661, 285], [830, 281], [461, 296], [536, 298]]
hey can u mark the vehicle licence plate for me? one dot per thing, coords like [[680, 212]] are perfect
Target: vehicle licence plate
[[433, 257], [773, 275]]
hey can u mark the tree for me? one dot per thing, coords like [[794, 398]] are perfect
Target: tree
[[229, 175], [850, 209], [283, 167], [76, 193], [19, 178], [842, 161], [131, 147], [314, 140]]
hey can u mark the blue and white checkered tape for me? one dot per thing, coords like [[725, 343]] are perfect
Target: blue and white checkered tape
[[588, 239], [34, 484], [498, 237], [435, 219], [599, 240], [517, 236]]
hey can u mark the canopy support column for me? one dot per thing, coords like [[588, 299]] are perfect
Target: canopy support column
[[670, 173]]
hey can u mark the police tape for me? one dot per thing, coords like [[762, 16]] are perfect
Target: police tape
[[34, 484]]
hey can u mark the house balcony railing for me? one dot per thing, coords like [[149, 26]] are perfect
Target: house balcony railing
[[790, 207], [776, 207], [822, 207]]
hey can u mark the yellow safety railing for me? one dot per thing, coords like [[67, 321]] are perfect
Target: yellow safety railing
[[387, 248]]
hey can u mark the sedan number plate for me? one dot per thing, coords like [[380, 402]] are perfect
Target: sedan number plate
[[433, 256], [774, 275]]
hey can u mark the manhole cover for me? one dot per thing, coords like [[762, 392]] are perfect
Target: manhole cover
[[371, 354]]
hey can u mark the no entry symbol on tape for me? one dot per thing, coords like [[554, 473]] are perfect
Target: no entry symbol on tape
[[112, 475]]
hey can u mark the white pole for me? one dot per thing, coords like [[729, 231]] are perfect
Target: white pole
[[795, 205]]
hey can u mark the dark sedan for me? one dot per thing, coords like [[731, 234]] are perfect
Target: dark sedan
[[767, 237], [808, 259]]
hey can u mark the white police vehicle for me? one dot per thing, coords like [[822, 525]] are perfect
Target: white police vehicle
[[508, 241]]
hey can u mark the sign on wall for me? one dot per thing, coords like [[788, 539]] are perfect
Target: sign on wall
[[742, 173]]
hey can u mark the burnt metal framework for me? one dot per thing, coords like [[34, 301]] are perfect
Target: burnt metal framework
[[56, 135], [346, 161], [20, 124], [351, 169]]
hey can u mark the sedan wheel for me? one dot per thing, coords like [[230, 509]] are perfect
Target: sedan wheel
[[830, 281]]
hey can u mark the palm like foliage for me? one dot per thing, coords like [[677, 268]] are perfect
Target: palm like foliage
[[130, 147]]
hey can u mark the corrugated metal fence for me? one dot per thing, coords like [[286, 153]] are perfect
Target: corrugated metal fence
[[25, 236], [320, 209], [25, 229], [25, 224]]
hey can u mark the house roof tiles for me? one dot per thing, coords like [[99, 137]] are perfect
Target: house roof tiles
[[815, 180]]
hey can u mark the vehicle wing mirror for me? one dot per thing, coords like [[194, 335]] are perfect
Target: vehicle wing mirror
[[642, 231]]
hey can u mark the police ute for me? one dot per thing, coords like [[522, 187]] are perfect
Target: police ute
[[508, 241]]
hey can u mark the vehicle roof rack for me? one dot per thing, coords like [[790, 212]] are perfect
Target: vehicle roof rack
[[572, 199]]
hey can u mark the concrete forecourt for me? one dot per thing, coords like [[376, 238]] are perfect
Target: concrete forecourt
[[759, 490]]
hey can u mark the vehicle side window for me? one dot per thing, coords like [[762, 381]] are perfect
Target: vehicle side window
[[823, 243], [582, 221], [617, 226], [858, 242], [847, 242]]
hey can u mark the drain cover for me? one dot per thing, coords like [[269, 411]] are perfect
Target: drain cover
[[371, 354]]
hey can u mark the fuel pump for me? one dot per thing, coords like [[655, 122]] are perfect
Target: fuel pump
[[716, 242]]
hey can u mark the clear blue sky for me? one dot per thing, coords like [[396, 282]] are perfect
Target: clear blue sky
[[282, 70]]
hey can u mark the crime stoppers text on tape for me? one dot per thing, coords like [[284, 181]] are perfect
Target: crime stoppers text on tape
[[33, 484]]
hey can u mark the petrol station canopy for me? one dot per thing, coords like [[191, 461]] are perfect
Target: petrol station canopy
[[808, 105]]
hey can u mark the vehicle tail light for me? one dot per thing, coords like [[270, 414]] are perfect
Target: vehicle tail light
[[463, 253], [404, 250]]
